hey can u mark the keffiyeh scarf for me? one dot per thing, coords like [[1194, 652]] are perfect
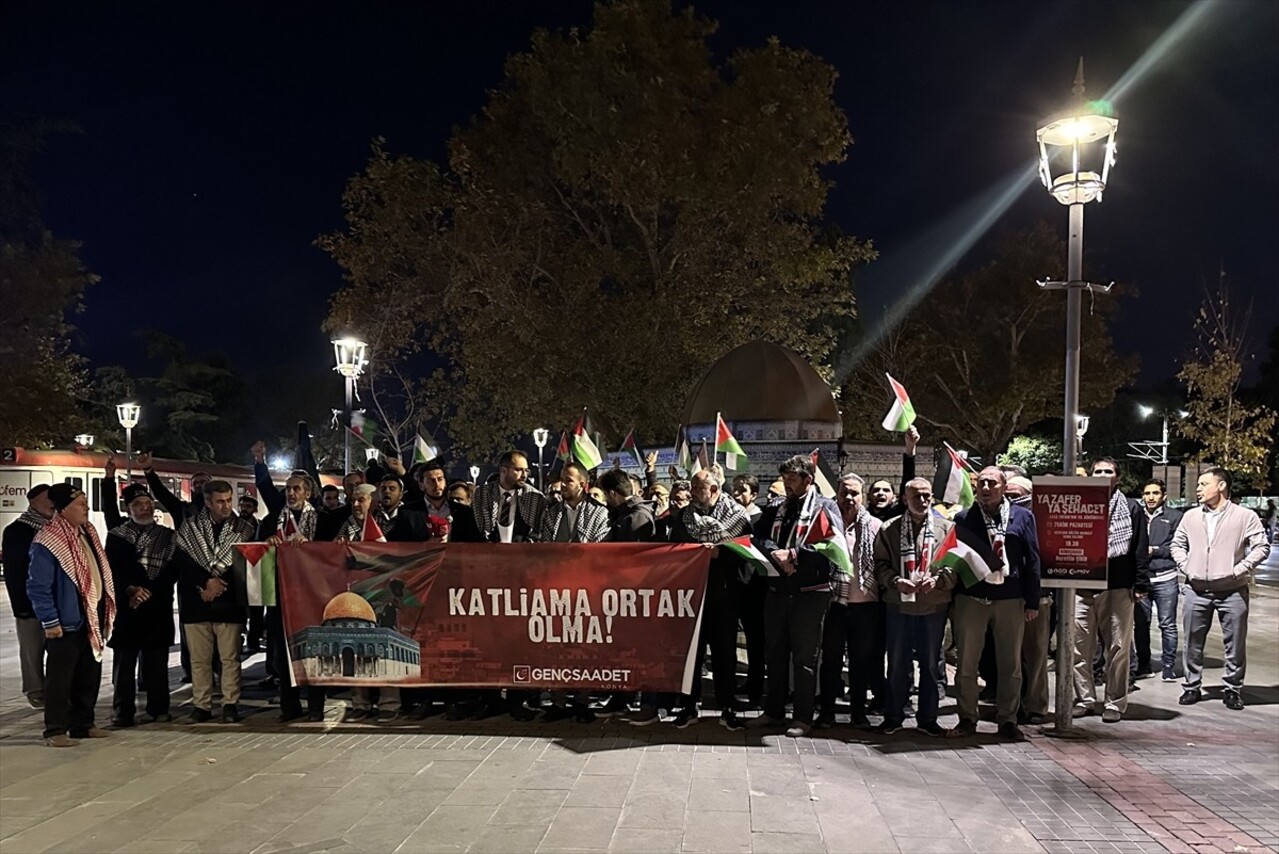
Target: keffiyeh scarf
[[725, 520], [63, 541], [153, 543], [912, 566], [997, 530], [304, 525], [32, 519], [862, 532], [216, 554], [1120, 526]]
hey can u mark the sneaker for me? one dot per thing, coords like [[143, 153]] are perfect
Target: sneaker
[[1189, 697], [354, 715], [888, 727], [766, 721], [728, 720], [199, 716], [1232, 700], [686, 718], [162, 718], [645, 716], [1009, 731], [1168, 675], [35, 702], [799, 730], [932, 728], [614, 706], [230, 714], [1082, 710], [962, 729], [387, 716], [61, 740], [1142, 673], [1111, 716]]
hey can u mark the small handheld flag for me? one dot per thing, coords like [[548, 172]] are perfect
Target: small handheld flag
[[629, 447], [371, 532], [585, 451], [902, 414], [726, 443], [424, 451]]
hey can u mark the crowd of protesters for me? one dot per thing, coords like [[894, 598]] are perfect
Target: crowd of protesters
[[890, 617]]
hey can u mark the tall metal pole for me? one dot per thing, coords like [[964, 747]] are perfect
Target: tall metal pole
[[541, 473], [1066, 599], [350, 391], [128, 454], [1163, 447]]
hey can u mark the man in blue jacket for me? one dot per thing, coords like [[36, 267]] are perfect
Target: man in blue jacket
[[1005, 602]]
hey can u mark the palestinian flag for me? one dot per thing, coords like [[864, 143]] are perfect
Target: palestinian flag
[[683, 456], [951, 484], [255, 564], [823, 477], [629, 447], [424, 451], [726, 443], [371, 533], [290, 526], [363, 428], [823, 536], [703, 460], [564, 453], [743, 548], [585, 451], [902, 413], [967, 555]]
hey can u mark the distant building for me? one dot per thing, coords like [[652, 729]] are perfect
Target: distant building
[[350, 645]]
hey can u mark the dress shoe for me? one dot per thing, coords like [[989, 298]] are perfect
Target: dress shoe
[[123, 723], [799, 730], [61, 740], [354, 715], [1111, 716], [1082, 710], [230, 714], [199, 716], [888, 727], [1232, 700], [1009, 731], [91, 732], [1189, 697], [931, 728], [962, 729]]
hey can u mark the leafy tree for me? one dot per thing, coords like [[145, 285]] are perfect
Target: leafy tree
[[623, 212], [981, 354], [1231, 433], [1036, 454], [43, 282]]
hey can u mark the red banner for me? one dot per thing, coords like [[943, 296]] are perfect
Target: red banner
[[1072, 521], [605, 617]]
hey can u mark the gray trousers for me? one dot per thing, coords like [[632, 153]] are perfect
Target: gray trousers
[[1007, 620], [1034, 660], [31, 656], [1111, 613], [1231, 608]]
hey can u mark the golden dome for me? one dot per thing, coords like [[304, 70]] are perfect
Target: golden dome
[[349, 606]]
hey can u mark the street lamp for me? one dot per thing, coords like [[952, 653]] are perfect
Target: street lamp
[[84, 440], [349, 355], [540, 435], [475, 474], [370, 454], [1076, 151], [128, 413]]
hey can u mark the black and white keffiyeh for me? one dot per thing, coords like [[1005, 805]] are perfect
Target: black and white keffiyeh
[[529, 503], [861, 533], [997, 530], [153, 543], [1120, 526], [912, 537], [32, 519], [303, 523], [351, 529], [590, 525], [725, 520], [216, 554]]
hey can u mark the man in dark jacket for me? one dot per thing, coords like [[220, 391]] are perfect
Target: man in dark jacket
[[1005, 601], [141, 556], [1110, 611], [18, 536], [1161, 525], [799, 593], [630, 518]]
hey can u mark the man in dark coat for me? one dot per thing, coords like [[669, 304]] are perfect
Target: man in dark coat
[[18, 537]]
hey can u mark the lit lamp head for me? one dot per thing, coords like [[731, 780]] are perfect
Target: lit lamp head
[[1081, 425], [1145, 411], [475, 474], [540, 436], [1077, 148], [370, 454], [84, 440], [128, 413], [349, 355]]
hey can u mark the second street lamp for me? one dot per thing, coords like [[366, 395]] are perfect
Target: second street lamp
[[349, 355], [540, 435], [129, 414]]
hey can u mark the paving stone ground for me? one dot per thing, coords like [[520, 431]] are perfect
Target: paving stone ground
[[1167, 778]]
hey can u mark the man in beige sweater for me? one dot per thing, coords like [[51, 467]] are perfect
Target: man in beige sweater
[[1217, 547]]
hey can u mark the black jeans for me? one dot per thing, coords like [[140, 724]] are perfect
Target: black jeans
[[793, 622], [155, 677], [290, 694], [750, 612], [719, 629], [71, 681], [859, 630]]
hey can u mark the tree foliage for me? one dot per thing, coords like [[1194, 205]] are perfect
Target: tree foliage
[[1230, 432], [982, 353], [42, 281], [622, 212], [1036, 454]]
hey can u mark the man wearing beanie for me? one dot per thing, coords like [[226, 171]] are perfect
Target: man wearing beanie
[[73, 594]]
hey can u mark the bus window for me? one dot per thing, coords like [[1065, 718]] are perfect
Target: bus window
[[77, 482], [95, 495]]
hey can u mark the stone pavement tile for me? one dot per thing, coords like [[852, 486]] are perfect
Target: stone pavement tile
[[477, 794], [644, 840], [786, 843], [856, 831], [772, 814], [848, 797], [449, 828], [613, 762], [529, 806], [654, 808], [582, 827], [598, 792], [932, 845], [502, 839], [258, 787], [156, 846], [256, 836], [920, 817], [41, 802], [731, 765], [718, 794], [385, 827], [717, 832], [50, 833], [788, 780], [997, 834], [558, 772], [443, 775]]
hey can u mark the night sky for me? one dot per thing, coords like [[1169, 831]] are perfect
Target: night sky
[[218, 137]]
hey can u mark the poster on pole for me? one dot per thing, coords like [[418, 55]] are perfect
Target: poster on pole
[[1072, 520], [600, 616]]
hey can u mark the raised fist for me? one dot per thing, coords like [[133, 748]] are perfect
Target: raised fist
[[259, 451], [144, 460], [110, 467], [650, 461]]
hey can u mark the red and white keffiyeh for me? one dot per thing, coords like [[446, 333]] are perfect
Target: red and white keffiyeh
[[63, 541]]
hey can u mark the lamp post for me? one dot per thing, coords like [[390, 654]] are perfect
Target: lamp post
[[370, 454], [128, 413], [475, 474], [540, 435], [84, 440], [349, 355], [1069, 144]]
